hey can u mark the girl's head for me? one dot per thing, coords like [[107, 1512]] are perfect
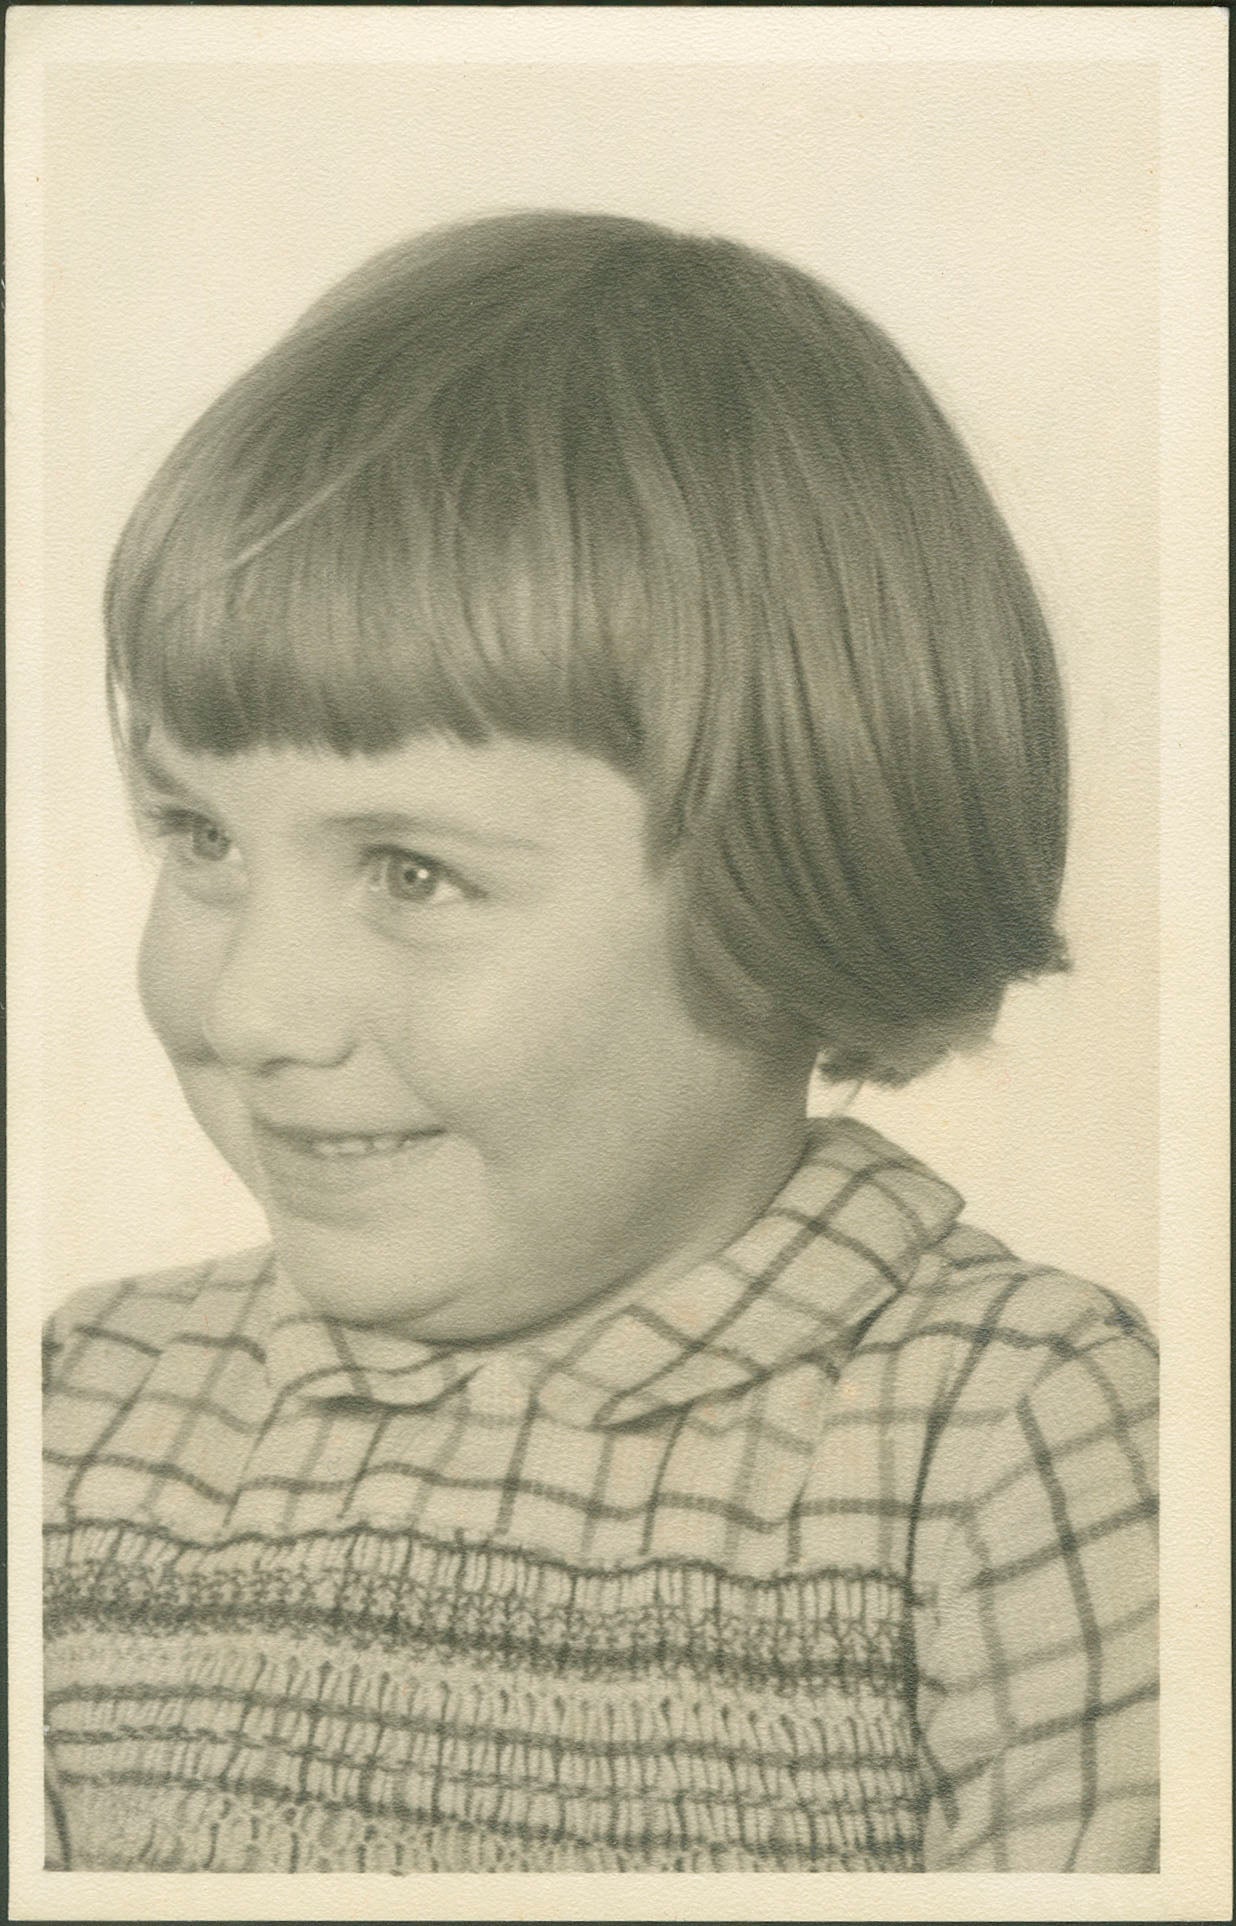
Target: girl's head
[[581, 680], [574, 478]]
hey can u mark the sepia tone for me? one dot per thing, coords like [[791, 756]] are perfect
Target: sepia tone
[[977, 1115]]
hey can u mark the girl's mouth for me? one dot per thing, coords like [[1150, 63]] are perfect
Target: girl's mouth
[[380, 1144], [314, 1172]]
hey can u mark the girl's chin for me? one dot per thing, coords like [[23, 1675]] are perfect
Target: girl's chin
[[346, 1278], [352, 1291]]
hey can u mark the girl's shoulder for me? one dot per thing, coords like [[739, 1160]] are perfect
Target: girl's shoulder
[[977, 1276], [126, 1325], [947, 1294], [978, 1328]]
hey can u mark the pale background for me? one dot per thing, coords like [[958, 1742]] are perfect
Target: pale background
[[914, 239], [999, 220]]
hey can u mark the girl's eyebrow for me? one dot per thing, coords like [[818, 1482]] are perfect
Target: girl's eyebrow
[[143, 765], [401, 823], [397, 823]]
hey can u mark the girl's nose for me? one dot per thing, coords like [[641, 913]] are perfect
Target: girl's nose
[[280, 996]]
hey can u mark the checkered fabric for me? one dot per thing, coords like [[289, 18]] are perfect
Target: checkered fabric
[[836, 1552]]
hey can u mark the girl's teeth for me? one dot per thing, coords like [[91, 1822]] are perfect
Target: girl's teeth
[[356, 1146]]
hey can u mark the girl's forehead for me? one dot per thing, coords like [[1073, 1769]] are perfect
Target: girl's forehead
[[507, 787]]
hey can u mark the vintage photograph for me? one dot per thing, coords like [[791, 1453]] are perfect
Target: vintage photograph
[[599, 1171]]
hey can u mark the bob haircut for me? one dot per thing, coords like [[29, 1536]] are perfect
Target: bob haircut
[[670, 500]]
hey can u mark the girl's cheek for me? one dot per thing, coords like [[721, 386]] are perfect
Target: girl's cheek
[[174, 975], [473, 1042]]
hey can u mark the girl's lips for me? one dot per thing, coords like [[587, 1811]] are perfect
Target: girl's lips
[[305, 1171], [359, 1143]]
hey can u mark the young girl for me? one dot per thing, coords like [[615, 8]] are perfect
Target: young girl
[[578, 684]]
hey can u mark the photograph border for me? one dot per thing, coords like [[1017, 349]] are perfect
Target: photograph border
[[1188, 46]]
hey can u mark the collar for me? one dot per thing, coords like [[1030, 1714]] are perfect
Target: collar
[[841, 1238]]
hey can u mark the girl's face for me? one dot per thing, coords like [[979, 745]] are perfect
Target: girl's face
[[426, 1005]]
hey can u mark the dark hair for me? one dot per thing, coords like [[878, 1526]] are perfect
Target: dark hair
[[669, 499]]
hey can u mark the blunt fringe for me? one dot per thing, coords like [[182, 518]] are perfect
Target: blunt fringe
[[669, 499]]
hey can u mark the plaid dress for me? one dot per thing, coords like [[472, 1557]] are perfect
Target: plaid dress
[[835, 1553]]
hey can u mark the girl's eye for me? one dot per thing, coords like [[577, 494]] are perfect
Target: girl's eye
[[403, 877], [205, 842], [196, 841]]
